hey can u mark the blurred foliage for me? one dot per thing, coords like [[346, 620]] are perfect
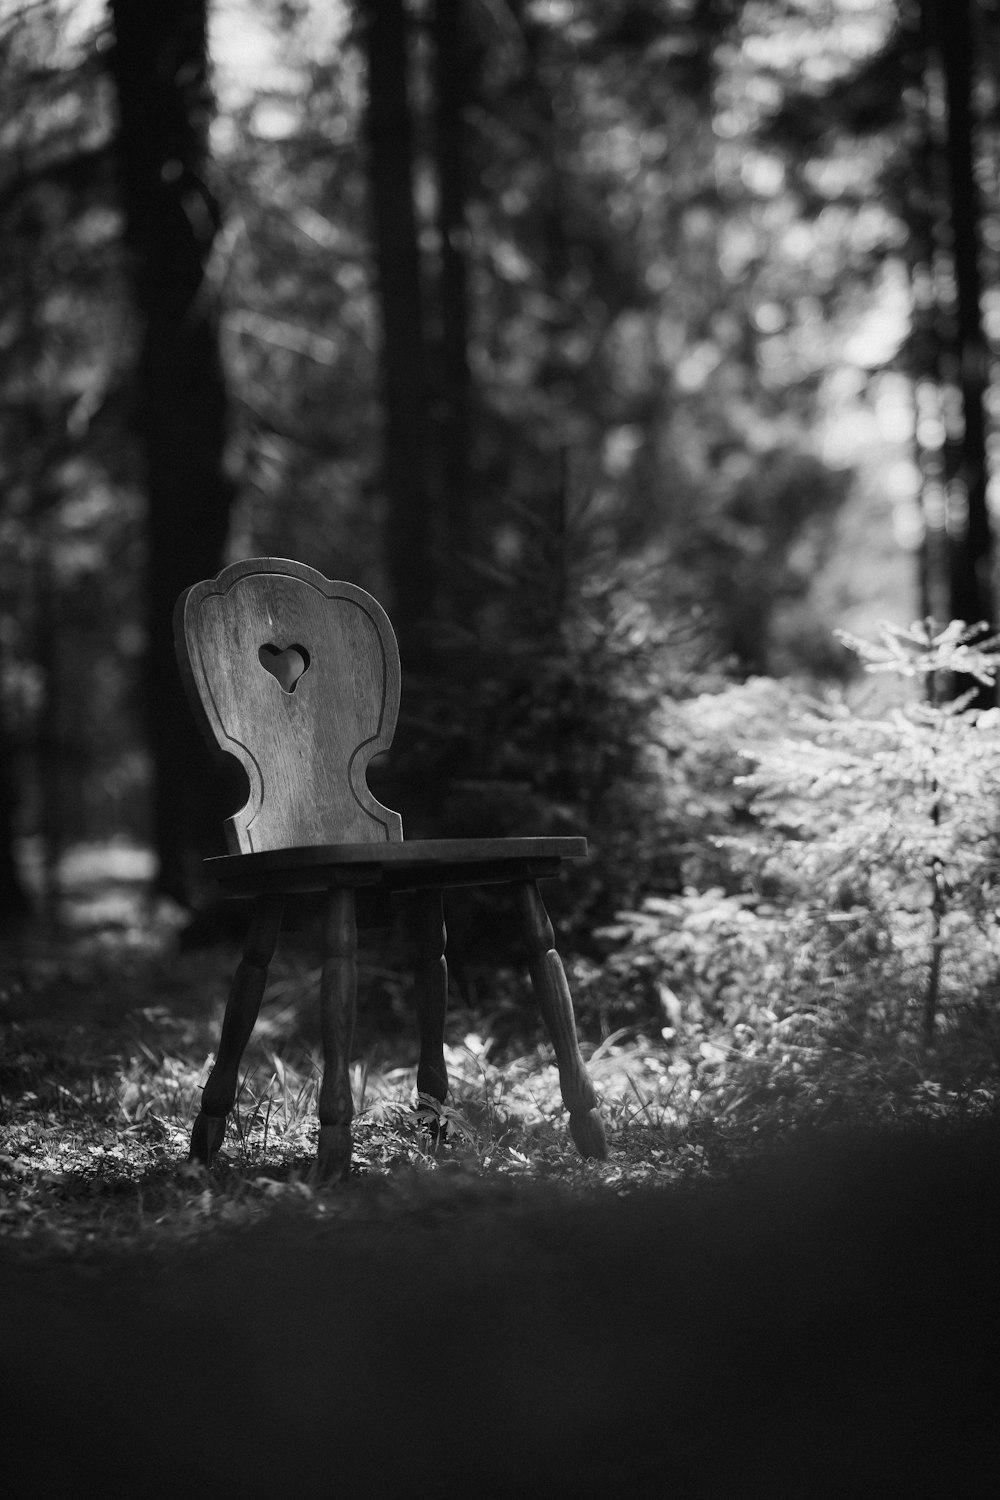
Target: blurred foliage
[[862, 891], [70, 521], [662, 305], [542, 732], [879, 118]]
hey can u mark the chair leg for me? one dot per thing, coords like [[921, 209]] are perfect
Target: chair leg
[[338, 1006], [431, 993], [548, 980], [242, 1008]]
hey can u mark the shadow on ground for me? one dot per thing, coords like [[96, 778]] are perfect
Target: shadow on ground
[[827, 1326]]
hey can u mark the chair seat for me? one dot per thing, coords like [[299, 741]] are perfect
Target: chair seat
[[410, 865]]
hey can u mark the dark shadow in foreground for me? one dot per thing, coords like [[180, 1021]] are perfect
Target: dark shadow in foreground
[[827, 1326]]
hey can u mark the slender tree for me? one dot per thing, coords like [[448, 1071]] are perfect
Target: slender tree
[[949, 31], [14, 905], [160, 67], [404, 366], [451, 68]]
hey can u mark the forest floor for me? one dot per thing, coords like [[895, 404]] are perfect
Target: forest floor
[[492, 1311]]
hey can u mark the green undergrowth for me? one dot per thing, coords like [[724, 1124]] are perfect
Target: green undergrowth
[[105, 1043]]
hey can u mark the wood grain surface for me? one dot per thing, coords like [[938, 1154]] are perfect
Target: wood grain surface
[[305, 747]]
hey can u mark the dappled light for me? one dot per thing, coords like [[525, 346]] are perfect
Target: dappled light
[[639, 359]]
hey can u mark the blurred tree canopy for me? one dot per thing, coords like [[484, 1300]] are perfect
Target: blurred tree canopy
[[523, 314]]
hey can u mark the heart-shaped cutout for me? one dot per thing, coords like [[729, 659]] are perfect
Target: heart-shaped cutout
[[285, 666]]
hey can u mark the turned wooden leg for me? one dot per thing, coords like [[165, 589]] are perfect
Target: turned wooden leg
[[242, 1008], [548, 980], [338, 1005], [431, 993]]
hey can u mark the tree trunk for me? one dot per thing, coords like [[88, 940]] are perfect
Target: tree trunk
[[923, 214], [454, 423], [404, 368], [15, 907], [972, 548], [948, 33], [159, 65]]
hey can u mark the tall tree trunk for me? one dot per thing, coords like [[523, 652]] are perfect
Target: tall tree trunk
[[949, 35], [404, 367], [15, 907], [451, 63], [551, 542], [160, 68], [972, 555], [929, 336]]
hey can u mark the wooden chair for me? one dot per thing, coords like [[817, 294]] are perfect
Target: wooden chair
[[298, 678]]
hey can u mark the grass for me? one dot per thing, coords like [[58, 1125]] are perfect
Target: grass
[[99, 1103], [105, 1042], [491, 1312]]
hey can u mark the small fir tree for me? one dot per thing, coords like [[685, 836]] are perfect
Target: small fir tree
[[886, 827]]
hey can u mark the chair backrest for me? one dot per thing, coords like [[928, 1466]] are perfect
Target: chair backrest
[[298, 677]]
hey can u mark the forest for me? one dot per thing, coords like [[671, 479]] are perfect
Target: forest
[[641, 358], [599, 342]]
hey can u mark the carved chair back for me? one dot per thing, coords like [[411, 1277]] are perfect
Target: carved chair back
[[298, 678]]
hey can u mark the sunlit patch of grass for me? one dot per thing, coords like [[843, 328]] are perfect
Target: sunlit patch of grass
[[102, 1069]]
